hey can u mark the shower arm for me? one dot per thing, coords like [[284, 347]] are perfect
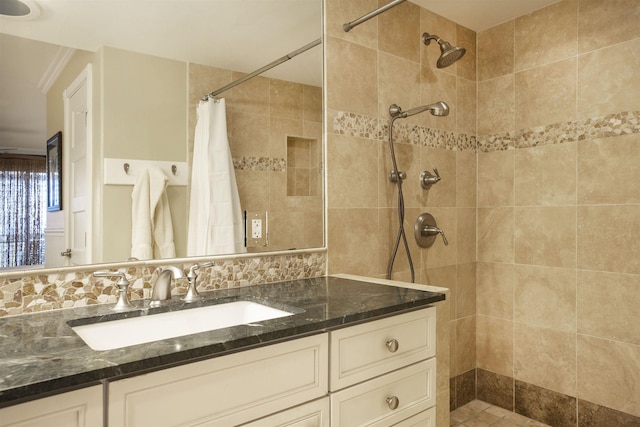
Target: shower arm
[[349, 25]]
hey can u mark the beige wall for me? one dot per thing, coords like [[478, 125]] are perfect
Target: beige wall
[[558, 272], [144, 116], [261, 114]]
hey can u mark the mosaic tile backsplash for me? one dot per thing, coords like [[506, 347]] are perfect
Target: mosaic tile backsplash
[[39, 292]]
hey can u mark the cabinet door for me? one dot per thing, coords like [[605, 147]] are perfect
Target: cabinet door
[[386, 400], [224, 391], [79, 408], [312, 414], [374, 348]]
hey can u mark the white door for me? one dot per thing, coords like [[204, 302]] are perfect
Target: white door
[[77, 199]]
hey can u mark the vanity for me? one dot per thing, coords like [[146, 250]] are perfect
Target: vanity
[[351, 352]]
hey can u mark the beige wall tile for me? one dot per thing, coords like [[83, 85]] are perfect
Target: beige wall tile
[[495, 290], [546, 94], [466, 169], [616, 248], [545, 358], [398, 79], [608, 80], [495, 234], [353, 248], [466, 289], [546, 35], [546, 236], [249, 136], [618, 156], [251, 96], [496, 105], [608, 373], [467, 65], [467, 106], [351, 85], [444, 192], [339, 12], [279, 130], [389, 231], [496, 51], [465, 344], [604, 23], [445, 277], [312, 103], [494, 345], [495, 178], [546, 175], [466, 235], [546, 297], [353, 181], [614, 317], [399, 30], [286, 99], [286, 229]]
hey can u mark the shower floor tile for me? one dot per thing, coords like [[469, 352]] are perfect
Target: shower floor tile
[[481, 414]]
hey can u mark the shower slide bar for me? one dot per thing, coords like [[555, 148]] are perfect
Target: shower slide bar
[[349, 25], [263, 69]]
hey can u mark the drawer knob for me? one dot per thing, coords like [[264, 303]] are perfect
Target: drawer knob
[[393, 345], [393, 402]]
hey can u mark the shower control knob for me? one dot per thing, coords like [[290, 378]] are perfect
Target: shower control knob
[[426, 230], [427, 179]]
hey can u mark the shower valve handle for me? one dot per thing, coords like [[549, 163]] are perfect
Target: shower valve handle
[[430, 230], [427, 179]]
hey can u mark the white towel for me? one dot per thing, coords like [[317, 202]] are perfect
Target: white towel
[[152, 229]]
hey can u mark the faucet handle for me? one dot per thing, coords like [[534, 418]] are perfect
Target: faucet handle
[[427, 179], [123, 284], [193, 270]]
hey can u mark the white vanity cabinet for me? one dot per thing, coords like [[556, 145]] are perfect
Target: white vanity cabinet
[[383, 372], [224, 391], [79, 408]]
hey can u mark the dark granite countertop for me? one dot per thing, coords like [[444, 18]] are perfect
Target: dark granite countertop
[[40, 354]]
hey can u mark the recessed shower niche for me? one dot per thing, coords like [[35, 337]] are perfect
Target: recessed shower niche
[[303, 167]]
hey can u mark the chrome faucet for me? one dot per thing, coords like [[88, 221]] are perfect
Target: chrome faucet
[[162, 288]]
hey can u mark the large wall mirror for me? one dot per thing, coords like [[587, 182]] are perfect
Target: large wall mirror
[[145, 65]]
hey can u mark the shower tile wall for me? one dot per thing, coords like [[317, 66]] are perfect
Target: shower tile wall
[[261, 114], [558, 274], [381, 62]]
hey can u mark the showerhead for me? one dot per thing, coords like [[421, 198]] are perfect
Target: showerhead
[[439, 109], [448, 54]]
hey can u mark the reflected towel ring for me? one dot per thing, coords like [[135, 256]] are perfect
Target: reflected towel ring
[[174, 169], [126, 168]]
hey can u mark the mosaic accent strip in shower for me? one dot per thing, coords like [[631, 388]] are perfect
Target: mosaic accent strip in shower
[[263, 164], [624, 123], [360, 126]]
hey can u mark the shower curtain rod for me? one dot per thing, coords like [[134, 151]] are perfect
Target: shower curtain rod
[[263, 69], [349, 25]]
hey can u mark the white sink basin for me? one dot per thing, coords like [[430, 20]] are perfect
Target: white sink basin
[[139, 330]]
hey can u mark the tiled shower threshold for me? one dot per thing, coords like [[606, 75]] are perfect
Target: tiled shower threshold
[[481, 414]]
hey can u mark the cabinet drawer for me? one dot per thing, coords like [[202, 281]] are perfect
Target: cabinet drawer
[[423, 419], [367, 404], [312, 414], [79, 408], [365, 351], [224, 391]]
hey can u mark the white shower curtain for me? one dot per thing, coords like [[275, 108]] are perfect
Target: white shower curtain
[[215, 217]]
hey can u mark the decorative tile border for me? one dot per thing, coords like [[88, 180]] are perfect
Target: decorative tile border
[[264, 164], [40, 292], [624, 123], [360, 126]]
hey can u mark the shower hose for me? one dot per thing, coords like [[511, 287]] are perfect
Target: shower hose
[[401, 234]]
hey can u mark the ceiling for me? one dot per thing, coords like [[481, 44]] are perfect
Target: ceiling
[[212, 32]]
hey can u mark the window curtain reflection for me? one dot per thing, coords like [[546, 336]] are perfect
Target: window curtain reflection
[[23, 195]]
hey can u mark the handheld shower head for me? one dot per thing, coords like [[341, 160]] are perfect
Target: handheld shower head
[[448, 54], [439, 109]]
